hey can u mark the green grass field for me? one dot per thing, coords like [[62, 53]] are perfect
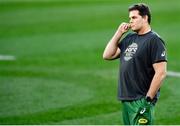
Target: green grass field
[[59, 76]]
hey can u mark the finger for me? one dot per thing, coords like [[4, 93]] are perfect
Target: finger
[[126, 26]]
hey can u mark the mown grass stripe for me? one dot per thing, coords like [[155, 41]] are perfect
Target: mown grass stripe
[[66, 113]]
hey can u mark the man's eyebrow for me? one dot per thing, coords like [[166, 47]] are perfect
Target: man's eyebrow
[[132, 16]]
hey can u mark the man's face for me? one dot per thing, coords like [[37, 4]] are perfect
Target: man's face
[[136, 20]]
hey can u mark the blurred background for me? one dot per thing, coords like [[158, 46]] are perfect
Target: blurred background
[[51, 66]]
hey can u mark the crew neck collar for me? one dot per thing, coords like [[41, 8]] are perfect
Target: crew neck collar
[[144, 33]]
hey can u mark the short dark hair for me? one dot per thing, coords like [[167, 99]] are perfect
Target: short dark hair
[[143, 10]]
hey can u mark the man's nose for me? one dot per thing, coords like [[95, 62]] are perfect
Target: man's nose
[[130, 21]]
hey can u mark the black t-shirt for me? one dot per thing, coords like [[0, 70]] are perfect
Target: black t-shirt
[[138, 54]]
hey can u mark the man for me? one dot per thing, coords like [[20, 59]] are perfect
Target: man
[[143, 65]]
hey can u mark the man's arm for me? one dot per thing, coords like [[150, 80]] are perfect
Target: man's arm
[[160, 74], [112, 51]]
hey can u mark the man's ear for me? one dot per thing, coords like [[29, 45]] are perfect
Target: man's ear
[[145, 17]]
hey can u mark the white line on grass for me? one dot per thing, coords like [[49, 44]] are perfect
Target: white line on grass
[[7, 58], [11, 58], [173, 74]]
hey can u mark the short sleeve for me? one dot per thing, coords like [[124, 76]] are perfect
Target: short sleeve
[[124, 41], [121, 43], [158, 50]]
